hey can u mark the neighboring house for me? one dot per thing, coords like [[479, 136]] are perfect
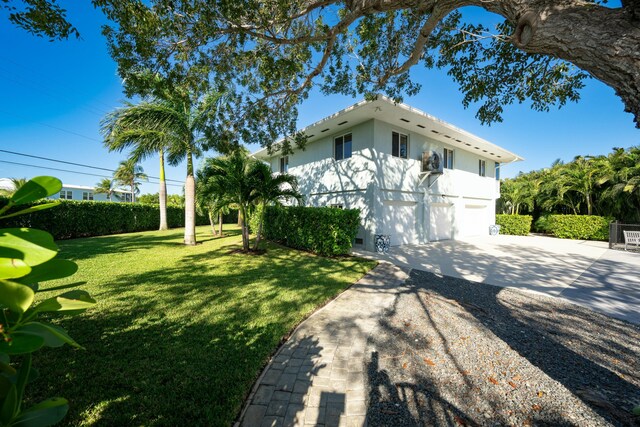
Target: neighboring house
[[413, 176], [82, 192]]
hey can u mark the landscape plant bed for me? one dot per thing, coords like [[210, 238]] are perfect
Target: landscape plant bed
[[180, 333], [454, 352]]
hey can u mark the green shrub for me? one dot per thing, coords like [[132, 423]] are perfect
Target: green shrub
[[541, 225], [583, 227], [325, 231], [515, 225], [72, 219]]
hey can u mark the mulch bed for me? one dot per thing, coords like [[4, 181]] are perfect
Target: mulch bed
[[454, 352]]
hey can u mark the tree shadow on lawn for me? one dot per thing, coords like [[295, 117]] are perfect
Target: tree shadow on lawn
[[90, 247], [594, 356], [183, 345]]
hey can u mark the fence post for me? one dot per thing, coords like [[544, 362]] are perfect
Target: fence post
[[613, 234]]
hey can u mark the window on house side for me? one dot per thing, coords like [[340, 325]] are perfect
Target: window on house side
[[448, 159], [66, 194], [284, 164], [399, 145], [497, 171], [87, 195], [482, 168], [336, 206], [342, 147]]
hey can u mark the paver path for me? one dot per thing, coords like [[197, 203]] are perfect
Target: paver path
[[317, 377]]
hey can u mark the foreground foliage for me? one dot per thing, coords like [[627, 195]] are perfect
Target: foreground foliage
[[28, 258], [180, 333], [582, 227]]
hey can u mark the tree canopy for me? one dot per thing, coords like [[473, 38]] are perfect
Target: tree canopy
[[266, 56]]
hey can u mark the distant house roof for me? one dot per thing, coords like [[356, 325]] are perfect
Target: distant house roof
[[6, 184], [89, 188], [405, 116]]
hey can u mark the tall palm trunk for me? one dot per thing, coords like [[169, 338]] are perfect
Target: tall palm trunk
[[220, 219], [133, 191], [190, 204], [213, 227], [244, 228], [162, 193]]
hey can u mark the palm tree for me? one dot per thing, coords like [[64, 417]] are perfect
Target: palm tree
[[139, 127], [175, 124], [229, 183], [105, 186], [269, 188], [16, 183], [130, 173]]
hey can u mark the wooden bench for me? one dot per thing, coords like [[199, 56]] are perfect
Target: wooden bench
[[631, 238]]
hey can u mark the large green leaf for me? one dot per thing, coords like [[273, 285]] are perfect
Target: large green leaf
[[31, 209], [23, 378], [11, 268], [54, 336], [5, 386], [46, 413], [50, 270], [33, 246], [68, 301], [37, 188], [15, 296], [21, 344], [9, 405]]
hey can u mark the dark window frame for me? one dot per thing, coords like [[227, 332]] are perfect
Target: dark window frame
[[396, 145], [482, 167], [343, 149], [448, 158], [284, 164]]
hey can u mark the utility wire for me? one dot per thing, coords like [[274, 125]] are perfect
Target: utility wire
[[74, 164], [75, 172]]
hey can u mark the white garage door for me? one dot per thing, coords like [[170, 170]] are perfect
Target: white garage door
[[474, 220], [440, 221], [399, 219]]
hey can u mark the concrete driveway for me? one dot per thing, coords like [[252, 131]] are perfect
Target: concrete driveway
[[582, 272]]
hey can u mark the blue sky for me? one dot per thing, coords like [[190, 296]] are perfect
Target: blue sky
[[54, 95]]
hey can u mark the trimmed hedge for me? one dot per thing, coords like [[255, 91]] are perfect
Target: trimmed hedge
[[72, 219], [582, 227], [325, 231], [515, 225]]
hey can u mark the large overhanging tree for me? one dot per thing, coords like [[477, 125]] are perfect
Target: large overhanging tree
[[267, 54]]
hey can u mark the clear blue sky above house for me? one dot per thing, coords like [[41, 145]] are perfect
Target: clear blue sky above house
[[54, 95]]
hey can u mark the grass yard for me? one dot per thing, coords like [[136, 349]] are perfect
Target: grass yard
[[179, 333]]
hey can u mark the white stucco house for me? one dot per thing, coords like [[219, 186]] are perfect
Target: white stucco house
[[414, 177], [87, 193]]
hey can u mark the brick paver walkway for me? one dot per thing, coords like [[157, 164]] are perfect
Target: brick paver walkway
[[318, 376]]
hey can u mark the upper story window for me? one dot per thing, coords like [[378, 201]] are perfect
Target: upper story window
[[497, 171], [482, 168], [87, 195], [336, 206], [66, 194], [448, 159], [342, 147], [399, 145], [284, 164]]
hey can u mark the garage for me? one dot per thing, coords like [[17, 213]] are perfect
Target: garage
[[399, 219], [440, 221], [474, 220]]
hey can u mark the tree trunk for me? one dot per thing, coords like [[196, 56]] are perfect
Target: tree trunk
[[190, 204], [259, 231], [244, 229], [213, 227], [220, 219], [603, 41], [162, 194], [589, 204], [133, 192], [239, 218]]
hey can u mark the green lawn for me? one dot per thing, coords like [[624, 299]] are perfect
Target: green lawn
[[179, 333]]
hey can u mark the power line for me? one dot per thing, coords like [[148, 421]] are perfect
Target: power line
[[75, 172], [74, 164]]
